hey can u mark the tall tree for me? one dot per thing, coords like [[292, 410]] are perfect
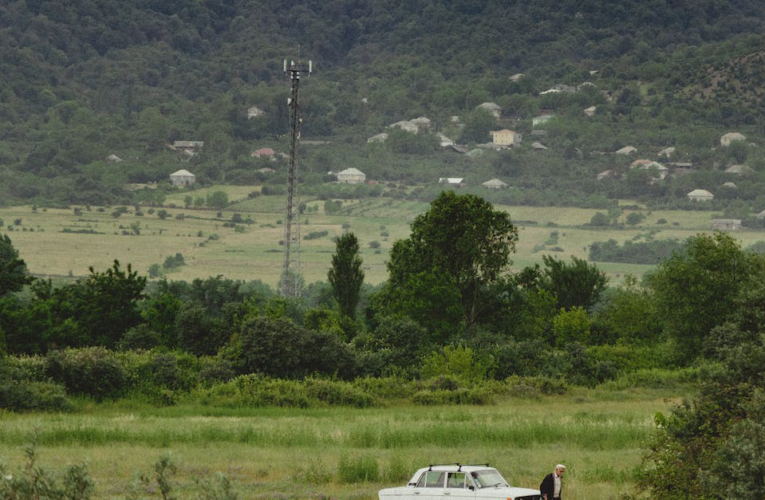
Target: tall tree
[[695, 289], [461, 244], [13, 271], [346, 275]]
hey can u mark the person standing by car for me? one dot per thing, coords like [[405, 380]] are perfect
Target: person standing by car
[[552, 484]]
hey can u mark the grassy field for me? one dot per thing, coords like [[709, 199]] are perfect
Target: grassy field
[[210, 249], [281, 453]]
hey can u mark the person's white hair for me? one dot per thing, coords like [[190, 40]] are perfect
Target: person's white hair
[[560, 466]]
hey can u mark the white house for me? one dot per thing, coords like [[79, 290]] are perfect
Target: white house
[[406, 125], [494, 184], [191, 146], [540, 120], [351, 176], [730, 137], [182, 178], [700, 195], [626, 150], [590, 111], [667, 152], [452, 181], [726, 224], [657, 167], [113, 158], [505, 137]]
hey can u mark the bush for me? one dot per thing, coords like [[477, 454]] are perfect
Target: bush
[[315, 235], [91, 371], [460, 362], [33, 396], [34, 482]]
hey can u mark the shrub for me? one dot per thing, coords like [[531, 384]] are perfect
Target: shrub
[[21, 396], [34, 482], [461, 362], [91, 371], [315, 235]]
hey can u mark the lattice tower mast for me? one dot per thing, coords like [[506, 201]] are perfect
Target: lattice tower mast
[[290, 282]]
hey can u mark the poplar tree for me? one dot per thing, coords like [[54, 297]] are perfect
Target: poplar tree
[[346, 276]]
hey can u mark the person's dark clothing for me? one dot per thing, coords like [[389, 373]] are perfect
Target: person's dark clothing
[[548, 487]]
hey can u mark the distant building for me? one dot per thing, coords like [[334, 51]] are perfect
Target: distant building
[[263, 153], [422, 122], [739, 170], [667, 152], [700, 195], [726, 224], [590, 111], [191, 146], [378, 138], [444, 141], [505, 137], [452, 181], [729, 185], [730, 137], [493, 108], [254, 112], [538, 146], [266, 170], [626, 150], [517, 77], [606, 174], [113, 158], [351, 176], [541, 120], [761, 215], [640, 162], [656, 167], [494, 184], [406, 125], [182, 178]]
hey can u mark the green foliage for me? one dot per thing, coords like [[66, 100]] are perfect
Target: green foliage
[[217, 200], [478, 125], [460, 362], [461, 245], [346, 276], [13, 271], [648, 252], [279, 348], [164, 470], [174, 261], [93, 372], [578, 284], [25, 395], [696, 289], [571, 325]]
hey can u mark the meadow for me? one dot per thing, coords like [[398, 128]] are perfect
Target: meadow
[[211, 246], [346, 453]]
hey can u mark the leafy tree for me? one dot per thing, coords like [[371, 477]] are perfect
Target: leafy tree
[[217, 200], [106, 304], [578, 284], [571, 326], [478, 124], [13, 271], [456, 250], [695, 289], [346, 275]]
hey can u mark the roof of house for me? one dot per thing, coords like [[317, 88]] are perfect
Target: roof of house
[[503, 131], [626, 150], [451, 180], [639, 162], [655, 165], [495, 182], [406, 125], [490, 106], [667, 151], [378, 138], [264, 152], [538, 145], [700, 192], [731, 185], [739, 169], [113, 158], [351, 171], [182, 173], [734, 136]]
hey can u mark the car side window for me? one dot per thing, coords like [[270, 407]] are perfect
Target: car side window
[[431, 479], [456, 480]]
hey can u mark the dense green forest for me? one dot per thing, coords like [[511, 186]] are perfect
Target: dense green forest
[[83, 80]]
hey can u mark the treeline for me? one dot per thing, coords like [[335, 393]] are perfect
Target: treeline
[[646, 252]]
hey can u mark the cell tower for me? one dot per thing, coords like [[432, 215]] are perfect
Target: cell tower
[[291, 281]]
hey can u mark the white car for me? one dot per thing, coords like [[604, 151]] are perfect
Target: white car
[[457, 481]]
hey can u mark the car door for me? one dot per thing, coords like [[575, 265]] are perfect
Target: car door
[[430, 486], [457, 487]]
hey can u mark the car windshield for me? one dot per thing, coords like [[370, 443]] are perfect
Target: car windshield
[[488, 478]]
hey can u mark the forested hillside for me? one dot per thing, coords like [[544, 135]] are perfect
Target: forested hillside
[[85, 79]]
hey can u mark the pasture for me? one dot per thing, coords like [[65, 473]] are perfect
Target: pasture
[[326, 453], [212, 246]]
